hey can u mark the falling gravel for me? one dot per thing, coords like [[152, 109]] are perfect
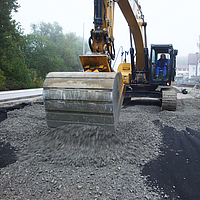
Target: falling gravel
[[88, 162]]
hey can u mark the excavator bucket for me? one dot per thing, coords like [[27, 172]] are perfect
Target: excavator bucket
[[83, 98], [99, 61]]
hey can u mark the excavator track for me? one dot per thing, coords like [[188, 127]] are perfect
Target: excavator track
[[83, 98], [169, 99]]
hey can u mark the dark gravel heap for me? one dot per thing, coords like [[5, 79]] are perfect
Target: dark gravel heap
[[84, 162]]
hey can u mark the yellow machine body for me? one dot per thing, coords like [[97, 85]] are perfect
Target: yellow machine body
[[125, 69]]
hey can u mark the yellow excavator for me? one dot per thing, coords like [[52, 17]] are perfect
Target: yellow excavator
[[95, 96]]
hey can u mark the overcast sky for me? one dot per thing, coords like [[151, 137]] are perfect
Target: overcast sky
[[168, 21]]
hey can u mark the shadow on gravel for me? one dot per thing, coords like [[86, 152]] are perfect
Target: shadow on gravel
[[177, 170], [4, 110], [7, 154]]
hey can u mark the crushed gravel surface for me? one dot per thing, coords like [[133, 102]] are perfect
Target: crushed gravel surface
[[87, 162]]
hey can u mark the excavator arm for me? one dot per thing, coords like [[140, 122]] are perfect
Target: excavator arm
[[101, 40]]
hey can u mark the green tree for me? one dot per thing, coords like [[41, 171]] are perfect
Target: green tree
[[73, 46], [14, 72], [41, 55], [69, 46], [47, 49], [52, 32], [2, 80], [14, 68], [7, 29]]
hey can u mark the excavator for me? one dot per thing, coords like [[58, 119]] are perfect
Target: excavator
[[95, 96]]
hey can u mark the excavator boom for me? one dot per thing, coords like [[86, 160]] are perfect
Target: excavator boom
[[135, 20]]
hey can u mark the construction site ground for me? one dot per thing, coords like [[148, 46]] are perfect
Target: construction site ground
[[153, 154]]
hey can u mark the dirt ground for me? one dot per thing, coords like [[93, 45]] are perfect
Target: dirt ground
[[153, 154]]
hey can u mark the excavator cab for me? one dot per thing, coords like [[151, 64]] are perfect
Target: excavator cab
[[162, 64]]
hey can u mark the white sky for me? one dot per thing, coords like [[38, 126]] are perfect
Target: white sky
[[168, 21]]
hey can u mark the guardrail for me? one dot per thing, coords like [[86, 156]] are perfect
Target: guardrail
[[20, 94]]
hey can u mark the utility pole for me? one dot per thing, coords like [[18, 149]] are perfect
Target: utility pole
[[197, 57], [83, 38], [197, 61], [198, 44]]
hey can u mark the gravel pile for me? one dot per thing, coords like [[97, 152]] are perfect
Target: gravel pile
[[84, 162]]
